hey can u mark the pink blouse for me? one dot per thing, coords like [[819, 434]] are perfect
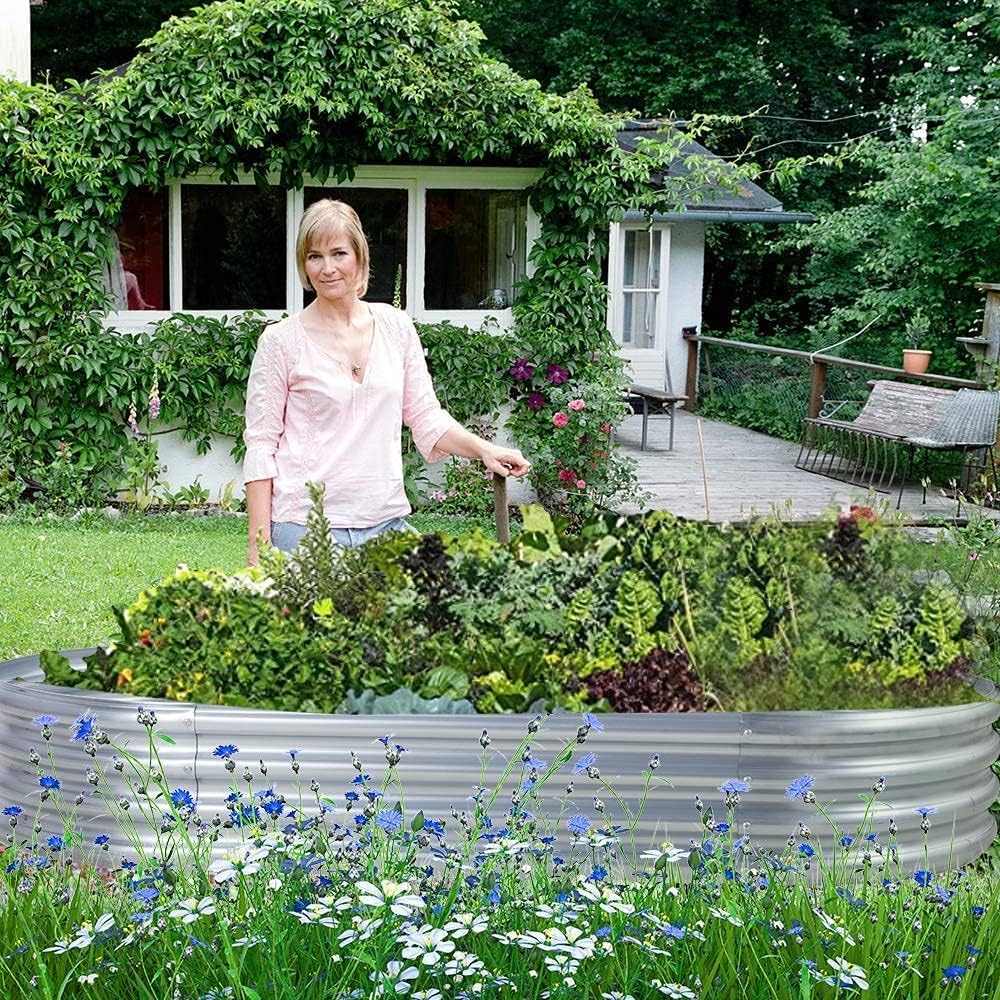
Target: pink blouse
[[307, 419]]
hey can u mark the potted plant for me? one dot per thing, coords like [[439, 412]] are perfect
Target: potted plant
[[915, 359]]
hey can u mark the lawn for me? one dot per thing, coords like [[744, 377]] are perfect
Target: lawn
[[59, 576]]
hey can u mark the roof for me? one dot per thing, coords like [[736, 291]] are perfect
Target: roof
[[750, 203]]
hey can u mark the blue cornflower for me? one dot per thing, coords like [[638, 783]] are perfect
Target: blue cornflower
[[372, 794], [846, 841], [943, 894], [925, 811], [434, 826], [535, 763], [673, 931], [226, 751], [806, 851], [274, 808], [734, 787], [598, 873], [85, 726], [55, 843], [973, 950], [390, 820], [494, 896], [589, 719], [722, 828], [351, 796], [44, 720], [923, 877], [871, 837], [182, 798], [147, 895], [128, 865], [798, 788], [293, 753], [361, 779], [245, 815], [578, 824], [384, 740], [48, 782], [587, 760], [602, 932], [978, 911], [101, 839], [12, 811], [954, 973]]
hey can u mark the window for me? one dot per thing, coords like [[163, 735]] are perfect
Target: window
[[476, 248], [233, 246], [640, 287], [383, 216], [140, 278], [449, 238]]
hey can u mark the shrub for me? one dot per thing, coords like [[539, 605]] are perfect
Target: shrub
[[660, 682]]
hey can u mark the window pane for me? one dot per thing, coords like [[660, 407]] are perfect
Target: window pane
[[639, 327], [383, 217], [143, 281], [642, 258], [233, 242], [476, 248]]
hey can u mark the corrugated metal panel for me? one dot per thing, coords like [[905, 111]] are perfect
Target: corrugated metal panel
[[937, 757]]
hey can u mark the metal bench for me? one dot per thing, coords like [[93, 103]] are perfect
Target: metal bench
[[646, 399], [898, 417]]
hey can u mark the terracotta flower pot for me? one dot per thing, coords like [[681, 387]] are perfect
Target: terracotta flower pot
[[916, 362]]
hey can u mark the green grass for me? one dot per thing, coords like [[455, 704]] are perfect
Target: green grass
[[59, 577]]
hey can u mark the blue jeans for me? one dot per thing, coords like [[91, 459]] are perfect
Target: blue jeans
[[286, 535]]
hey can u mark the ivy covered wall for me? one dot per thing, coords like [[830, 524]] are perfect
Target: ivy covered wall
[[293, 88]]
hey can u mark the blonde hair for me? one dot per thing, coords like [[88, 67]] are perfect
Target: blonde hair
[[326, 218]]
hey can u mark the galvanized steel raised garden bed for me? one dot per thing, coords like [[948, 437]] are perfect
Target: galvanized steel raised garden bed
[[940, 757]]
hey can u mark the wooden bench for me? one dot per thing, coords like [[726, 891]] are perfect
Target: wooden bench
[[898, 417], [646, 399]]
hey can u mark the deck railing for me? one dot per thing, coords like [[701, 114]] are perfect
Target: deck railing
[[818, 367]]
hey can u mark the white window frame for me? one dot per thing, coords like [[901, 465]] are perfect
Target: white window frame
[[616, 286], [416, 181]]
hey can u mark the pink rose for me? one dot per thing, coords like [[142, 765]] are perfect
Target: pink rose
[[567, 475], [576, 404], [581, 484], [560, 419], [606, 428]]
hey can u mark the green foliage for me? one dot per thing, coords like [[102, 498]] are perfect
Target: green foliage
[[468, 368], [402, 701], [756, 617], [207, 637]]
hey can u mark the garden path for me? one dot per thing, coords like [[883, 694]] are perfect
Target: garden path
[[748, 474]]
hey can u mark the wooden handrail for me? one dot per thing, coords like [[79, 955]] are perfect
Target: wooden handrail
[[818, 366], [830, 359]]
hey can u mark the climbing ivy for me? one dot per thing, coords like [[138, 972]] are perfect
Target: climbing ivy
[[286, 89]]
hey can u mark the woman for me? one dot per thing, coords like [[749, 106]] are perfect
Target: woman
[[328, 393]]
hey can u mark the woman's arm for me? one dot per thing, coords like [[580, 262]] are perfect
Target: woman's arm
[[258, 517], [506, 461]]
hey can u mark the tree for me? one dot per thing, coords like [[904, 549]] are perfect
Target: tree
[[922, 228], [791, 79], [73, 39]]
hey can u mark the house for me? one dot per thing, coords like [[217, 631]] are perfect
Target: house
[[449, 240]]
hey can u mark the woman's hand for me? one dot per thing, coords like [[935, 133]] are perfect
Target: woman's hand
[[505, 461]]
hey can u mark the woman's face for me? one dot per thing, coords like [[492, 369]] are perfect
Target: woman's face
[[332, 266]]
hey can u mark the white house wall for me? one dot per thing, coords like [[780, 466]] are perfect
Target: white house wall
[[687, 269]]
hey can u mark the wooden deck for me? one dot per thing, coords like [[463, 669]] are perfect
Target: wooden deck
[[749, 474]]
